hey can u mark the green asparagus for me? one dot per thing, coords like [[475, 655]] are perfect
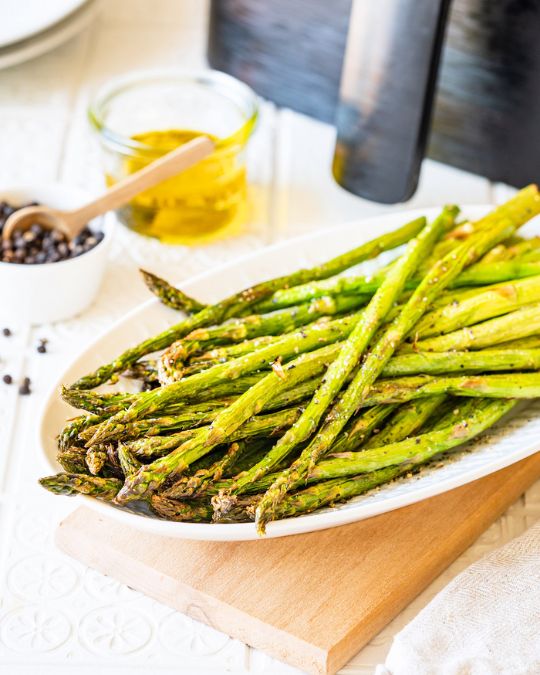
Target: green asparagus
[[494, 229], [241, 301]]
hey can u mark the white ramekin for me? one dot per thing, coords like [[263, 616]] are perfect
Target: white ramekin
[[52, 291]]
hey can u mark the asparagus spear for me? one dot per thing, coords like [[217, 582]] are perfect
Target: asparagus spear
[[352, 349], [484, 360], [480, 274], [353, 436], [399, 390], [142, 370], [516, 250], [401, 365], [339, 476], [524, 206], [128, 462], [324, 472], [72, 484], [311, 337], [521, 323], [532, 342], [256, 325], [72, 459], [300, 370], [69, 436], [337, 490], [171, 509], [491, 302], [95, 459], [196, 484], [193, 444], [172, 369], [191, 416], [495, 229], [261, 425], [361, 428], [406, 421], [239, 302], [94, 402], [419, 448], [170, 295]]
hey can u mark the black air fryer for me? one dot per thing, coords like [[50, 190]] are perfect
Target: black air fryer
[[461, 79]]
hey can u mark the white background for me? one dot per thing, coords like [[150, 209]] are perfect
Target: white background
[[55, 615]]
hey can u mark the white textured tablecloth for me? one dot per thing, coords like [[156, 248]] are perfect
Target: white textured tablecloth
[[485, 622]]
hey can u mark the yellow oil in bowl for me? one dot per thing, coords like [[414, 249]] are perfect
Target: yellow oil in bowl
[[141, 116], [200, 204]]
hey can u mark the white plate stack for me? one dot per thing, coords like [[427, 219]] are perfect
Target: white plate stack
[[34, 27]]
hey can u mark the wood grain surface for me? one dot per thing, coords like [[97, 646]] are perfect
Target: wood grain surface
[[310, 600]]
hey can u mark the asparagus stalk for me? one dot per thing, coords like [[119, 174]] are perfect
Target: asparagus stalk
[[96, 403], [516, 250], [524, 206], [361, 428], [307, 339], [170, 295], [491, 302], [418, 448], [72, 484], [189, 446], [171, 509], [191, 416], [494, 229], [399, 366], [334, 490], [532, 342], [400, 390], [356, 433], [261, 425], [196, 484], [521, 323], [302, 369], [69, 436], [403, 429], [146, 371], [239, 302], [352, 349], [72, 459], [256, 325], [128, 462], [96, 458], [485, 360], [480, 274], [405, 422]]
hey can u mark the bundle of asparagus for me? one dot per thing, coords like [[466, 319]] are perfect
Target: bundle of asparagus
[[312, 388]]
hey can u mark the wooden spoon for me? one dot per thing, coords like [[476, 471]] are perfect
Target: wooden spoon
[[72, 222]]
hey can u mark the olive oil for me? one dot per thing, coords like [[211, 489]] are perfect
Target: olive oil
[[203, 203]]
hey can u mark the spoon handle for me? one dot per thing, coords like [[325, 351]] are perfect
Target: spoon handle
[[169, 165]]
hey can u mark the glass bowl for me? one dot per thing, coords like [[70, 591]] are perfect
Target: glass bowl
[[144, 115]]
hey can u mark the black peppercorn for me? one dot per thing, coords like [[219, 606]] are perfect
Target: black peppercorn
[[24, 389]]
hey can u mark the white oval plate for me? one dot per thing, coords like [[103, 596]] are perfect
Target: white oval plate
[[19, 21], [510, 441], [50, 38]]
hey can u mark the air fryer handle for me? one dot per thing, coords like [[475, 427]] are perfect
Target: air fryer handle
[[386, 96]]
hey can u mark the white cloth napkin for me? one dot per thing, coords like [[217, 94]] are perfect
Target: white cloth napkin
[[485, 622]]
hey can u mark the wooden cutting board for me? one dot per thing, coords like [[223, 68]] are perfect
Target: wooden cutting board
[[310, 600]]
